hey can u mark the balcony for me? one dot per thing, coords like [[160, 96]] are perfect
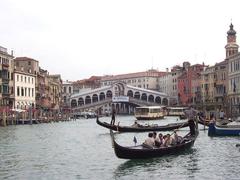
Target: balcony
[[5, 94], [5, 80]]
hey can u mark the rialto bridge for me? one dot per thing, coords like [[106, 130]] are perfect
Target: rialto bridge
[[120, 95]]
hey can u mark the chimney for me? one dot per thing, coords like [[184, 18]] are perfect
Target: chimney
[[11, 52]]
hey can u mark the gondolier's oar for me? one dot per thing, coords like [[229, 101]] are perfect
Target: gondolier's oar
[[178, 128], [118, 126]]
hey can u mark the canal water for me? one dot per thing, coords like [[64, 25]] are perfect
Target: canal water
[[82, 150]]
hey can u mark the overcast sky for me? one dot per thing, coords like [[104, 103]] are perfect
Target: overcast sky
[[81, 38]]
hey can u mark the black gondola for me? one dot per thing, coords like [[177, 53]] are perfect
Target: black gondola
[[142, 128], [142, 152]]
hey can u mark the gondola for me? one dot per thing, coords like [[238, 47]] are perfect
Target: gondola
[[143, 152], [142, 128], [224, 128]]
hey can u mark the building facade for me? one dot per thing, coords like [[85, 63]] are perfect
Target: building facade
[[86, 84], [189, 83], [55, 91], [67, 91], [6, 79], [234, 79], [147, 79], [221, 84], [207, 87], [24, 90]]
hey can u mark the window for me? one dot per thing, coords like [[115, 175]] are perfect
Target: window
[[25, 91], [29, 92], [70, 90], [22, 91], [25, 78], [64, 89], [21, 78], [17, 77], [28, 79], [29, 63], [32, 80], [32, 92], [18, 91]]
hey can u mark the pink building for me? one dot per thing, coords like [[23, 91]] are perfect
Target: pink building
[[189, 84]]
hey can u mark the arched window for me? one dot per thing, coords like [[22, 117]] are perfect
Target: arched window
[[137, 95], [144, 97], [88, 100], [158, 100], [74, 103], [95, 98], [102, 96], [80, 101], [130, 93], [150, 98], [109, 94]]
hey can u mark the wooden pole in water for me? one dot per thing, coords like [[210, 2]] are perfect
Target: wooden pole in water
[[4, 118], [30, 114]]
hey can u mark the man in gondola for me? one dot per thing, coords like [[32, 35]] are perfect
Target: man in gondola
[[191, 114]]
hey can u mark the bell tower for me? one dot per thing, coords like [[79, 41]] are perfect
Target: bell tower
[[231, 47]]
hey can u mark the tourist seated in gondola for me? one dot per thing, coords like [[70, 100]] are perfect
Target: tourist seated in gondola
[[159, 140], [136, 124], [177, 139], [149, 142], [168, 141]]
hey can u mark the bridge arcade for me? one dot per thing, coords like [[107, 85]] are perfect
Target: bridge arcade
[[103, 98]]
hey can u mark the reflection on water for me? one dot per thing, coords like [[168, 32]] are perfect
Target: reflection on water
[[164, 164], [82, 150]]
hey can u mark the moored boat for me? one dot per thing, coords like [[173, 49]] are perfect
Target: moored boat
[[149, 112], [177, 111], [224, 129], [142, 128], [142, 152]]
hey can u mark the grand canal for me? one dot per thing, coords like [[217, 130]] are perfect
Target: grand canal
[[82, 150]]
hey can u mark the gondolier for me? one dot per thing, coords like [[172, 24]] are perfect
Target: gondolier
[[191, 114], [113, 117]]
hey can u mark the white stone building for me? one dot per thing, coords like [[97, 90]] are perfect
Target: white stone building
[[147, 79], [234, 79], [24, 90], [67, 90]]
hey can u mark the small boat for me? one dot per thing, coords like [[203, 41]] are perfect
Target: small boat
[[143, 152], [142, 128], [223, 128], [177, 111], [149, 112]]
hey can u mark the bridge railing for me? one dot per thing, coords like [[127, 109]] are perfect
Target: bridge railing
[[94, 104], [109, 100], [142, 102]]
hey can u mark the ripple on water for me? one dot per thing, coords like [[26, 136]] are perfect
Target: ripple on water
[[82, 150]]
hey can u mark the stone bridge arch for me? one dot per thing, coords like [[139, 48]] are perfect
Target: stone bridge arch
[[118, 89]]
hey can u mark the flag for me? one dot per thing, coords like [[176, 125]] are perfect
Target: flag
[[135, 140]]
